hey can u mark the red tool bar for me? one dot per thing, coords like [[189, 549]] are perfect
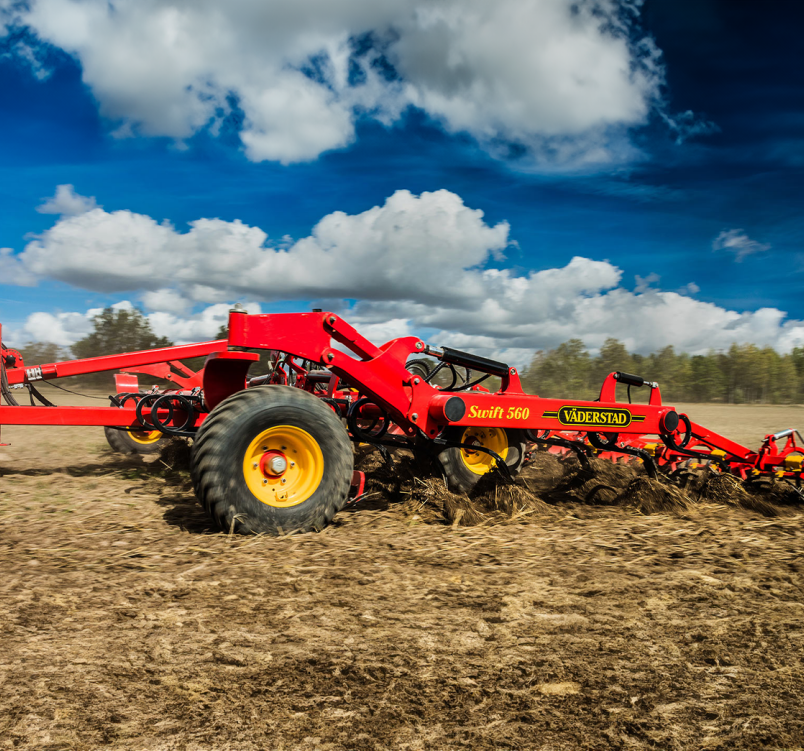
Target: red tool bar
[[538, 413], [113, 416], [69, 368], [69, 416]]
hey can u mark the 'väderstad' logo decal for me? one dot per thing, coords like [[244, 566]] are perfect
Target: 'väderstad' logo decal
[[609, 418]]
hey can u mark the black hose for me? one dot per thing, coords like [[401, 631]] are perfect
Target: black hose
[[77, 393], [669, 439], [34, 393], [4, 387], [466, 386]]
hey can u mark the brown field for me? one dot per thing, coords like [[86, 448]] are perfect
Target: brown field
[[582, 623]]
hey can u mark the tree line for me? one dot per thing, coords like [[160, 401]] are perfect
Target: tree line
[[743, 374]]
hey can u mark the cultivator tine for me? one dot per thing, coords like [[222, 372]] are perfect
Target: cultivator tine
[[647, 460], [580, 449], [500, 464]]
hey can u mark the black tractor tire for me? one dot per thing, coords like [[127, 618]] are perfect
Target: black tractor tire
[[460, 478], [124, 442], [226, 438]]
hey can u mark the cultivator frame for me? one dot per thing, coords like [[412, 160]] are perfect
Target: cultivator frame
[[385, 403]]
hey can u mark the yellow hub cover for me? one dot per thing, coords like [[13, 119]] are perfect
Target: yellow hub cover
[[146, 437], [494, 439], [301, 478]]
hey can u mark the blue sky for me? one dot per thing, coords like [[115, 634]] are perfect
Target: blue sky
[[678, 185]]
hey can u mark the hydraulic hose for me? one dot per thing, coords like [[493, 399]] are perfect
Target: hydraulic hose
[[4, 387]]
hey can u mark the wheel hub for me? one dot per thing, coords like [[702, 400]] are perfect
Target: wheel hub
[[494, 439], [472, 441], [283, 466], [145, 436], [273, 463]]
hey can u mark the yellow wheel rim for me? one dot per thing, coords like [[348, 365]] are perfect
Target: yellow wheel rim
[[304, 466], [494, 439], [145, 437]]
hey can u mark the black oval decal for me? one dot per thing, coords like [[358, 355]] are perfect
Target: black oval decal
[[599, 416]]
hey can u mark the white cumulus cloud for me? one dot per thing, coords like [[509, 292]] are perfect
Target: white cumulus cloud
[[13, 271], [63, 329], [415, 263], [563, 78], [384, 252], [67, 202], [66, 329]]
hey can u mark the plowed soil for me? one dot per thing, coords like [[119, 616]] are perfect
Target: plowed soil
[[575, 611]]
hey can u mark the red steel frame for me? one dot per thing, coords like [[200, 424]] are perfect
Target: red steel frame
[[378, 373], [785, 461], [155, 362]]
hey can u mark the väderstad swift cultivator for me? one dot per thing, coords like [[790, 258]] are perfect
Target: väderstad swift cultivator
[[273, 453]]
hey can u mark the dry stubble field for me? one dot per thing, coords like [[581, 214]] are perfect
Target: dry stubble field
[[127, 623]]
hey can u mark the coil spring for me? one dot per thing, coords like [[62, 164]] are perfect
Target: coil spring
[[171, 403], [370, 435]]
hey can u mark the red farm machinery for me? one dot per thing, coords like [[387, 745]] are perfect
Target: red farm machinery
[[273, 453]]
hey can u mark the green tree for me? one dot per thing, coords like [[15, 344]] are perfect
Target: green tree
[[669, 370], [787, 384], [797, 356], [38, 353], [117, 331], [706, 382], [564, 371], [613, 357]]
